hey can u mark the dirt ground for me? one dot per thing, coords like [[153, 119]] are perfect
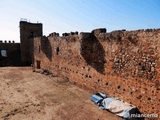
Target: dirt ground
[[26, 95]]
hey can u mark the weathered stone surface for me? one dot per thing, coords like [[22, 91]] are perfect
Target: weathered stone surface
[[121, 63]]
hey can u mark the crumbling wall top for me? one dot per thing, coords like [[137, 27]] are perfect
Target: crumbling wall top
[[98, 31]]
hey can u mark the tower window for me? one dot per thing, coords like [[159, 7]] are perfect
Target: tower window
[[32, 35]]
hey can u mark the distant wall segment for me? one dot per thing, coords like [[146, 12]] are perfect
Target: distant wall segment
[[10, 54]]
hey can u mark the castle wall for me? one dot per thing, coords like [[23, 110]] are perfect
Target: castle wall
[[13, 57], [123, 64]]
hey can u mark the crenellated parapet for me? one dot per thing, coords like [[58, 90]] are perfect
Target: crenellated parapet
[[70, 34], [53, 34], [65, 34], [5, 41]]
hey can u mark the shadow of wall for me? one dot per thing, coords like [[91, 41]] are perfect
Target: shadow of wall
[[46, 48], [92, 51]]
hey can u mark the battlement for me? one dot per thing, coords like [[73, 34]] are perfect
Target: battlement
[[5, 41], [116, 34], [53, 34]]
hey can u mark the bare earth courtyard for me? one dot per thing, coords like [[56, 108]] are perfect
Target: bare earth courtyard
[[26, 95]]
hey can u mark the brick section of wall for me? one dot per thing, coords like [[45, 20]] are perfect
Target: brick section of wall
[[13, 54], [123, 63], [27, 32]]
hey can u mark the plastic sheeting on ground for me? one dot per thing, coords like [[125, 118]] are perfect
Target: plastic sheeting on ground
[[114, 105]]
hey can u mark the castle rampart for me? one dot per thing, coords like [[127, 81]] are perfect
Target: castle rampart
[[121, 63]]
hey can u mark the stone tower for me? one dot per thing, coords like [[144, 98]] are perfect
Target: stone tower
[[27, 32]]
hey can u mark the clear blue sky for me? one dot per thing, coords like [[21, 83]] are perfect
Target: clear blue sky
[[78, 15]]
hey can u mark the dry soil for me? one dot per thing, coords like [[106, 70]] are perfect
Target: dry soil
[[26, 95]]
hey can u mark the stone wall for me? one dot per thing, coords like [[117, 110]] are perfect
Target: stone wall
[[123, 64], [13, 54]]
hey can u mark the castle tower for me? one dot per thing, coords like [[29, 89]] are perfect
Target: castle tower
[[27, 32]]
